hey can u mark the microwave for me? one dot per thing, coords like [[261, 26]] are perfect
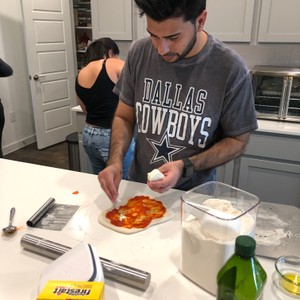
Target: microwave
[[277, 92]]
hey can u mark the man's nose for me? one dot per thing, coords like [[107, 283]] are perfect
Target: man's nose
[[163, 47]]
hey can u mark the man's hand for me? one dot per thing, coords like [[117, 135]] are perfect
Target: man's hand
[[172, 172], [110, 179]]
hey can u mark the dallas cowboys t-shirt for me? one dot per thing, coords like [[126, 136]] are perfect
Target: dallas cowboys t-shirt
[[183, 108]]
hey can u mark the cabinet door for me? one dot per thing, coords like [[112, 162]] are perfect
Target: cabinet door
[[112, 19], [225, 173], [141, 26], [230, 20], [271, 181], [279, 21]]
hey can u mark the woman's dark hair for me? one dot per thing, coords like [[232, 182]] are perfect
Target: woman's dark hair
[[160, 10], [100, 48]]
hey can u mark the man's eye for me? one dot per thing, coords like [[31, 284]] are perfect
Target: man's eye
[[173, 38]]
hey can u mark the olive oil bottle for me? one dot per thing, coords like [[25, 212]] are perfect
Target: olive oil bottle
[[242, 277]]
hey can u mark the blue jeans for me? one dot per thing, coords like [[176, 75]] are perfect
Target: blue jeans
[[96, 142]]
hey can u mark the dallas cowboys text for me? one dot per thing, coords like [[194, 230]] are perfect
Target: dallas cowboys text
[[165, 108]]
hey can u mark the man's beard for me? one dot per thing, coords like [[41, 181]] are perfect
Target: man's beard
[[187, 49], [189, 46]]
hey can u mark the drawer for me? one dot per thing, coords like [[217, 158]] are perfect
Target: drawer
[[274, 146]]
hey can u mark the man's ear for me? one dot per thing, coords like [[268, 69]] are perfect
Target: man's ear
[[200, 21]]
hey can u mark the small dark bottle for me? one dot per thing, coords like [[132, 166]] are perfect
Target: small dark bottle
[[242, 277]]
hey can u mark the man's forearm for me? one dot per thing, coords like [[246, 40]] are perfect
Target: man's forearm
[[121, 136], [222, 152]]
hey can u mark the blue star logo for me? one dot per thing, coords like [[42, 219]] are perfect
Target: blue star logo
[[163, 150]]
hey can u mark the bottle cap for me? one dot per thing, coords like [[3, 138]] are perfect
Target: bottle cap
[[245, 245]]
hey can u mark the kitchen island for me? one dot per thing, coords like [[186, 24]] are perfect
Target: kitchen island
[[156, 250]]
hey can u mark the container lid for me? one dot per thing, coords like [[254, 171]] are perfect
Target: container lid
[[245, 246], [241, 200], [81, 263]]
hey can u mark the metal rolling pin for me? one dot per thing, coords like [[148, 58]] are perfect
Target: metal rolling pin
[[41, 212], [112, 270]]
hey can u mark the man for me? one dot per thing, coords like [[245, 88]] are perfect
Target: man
[[189, 96]]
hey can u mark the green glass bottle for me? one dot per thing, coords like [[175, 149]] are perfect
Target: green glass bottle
[[242, 277]]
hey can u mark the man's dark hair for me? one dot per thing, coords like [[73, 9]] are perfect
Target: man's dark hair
[[100, 49], [160, 10]]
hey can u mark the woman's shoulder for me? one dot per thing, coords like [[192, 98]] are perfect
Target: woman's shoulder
[[114, 68], [88, 75], [114, 61]]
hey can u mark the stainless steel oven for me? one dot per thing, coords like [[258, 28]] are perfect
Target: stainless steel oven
[[277, 92]]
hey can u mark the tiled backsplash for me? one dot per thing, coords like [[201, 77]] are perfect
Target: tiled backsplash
[[269, 54]]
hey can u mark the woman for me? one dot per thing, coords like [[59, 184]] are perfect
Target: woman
[[94, 85]]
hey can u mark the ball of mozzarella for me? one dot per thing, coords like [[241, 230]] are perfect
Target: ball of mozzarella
[[154, 175]]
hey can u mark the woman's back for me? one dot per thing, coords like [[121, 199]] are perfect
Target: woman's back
[[94, 86]]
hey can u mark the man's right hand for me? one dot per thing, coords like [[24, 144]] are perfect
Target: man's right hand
[[110, 179]]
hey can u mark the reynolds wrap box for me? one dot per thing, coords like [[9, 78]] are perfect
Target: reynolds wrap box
[[72, 290]]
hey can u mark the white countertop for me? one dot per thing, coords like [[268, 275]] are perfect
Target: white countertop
[[267, 126], [77, 109], [155, 250], [279, 127]]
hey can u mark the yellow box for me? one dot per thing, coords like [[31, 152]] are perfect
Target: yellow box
[[72, 290]]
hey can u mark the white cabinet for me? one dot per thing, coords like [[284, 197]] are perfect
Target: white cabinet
[[279, 21], [141, 26], [112, 19], [270, 168], [219, 23], [248, 21], [272, 181], [230, 20], [225, 172]]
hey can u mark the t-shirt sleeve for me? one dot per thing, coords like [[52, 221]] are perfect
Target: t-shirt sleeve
[[124, 87], [238, 114]]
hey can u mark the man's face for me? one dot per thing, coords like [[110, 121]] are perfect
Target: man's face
[[174, 38]]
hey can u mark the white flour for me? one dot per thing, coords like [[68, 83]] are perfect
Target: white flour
[[203, 254], [271, 237], [271, 230]]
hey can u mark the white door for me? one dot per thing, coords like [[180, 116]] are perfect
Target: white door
[[49, 47]]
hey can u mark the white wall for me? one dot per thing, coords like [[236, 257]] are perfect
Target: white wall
[[15, 90]]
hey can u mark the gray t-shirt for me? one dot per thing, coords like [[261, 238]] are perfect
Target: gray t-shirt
[[183, 108]]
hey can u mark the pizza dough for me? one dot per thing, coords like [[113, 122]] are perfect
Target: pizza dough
[[103, 220]]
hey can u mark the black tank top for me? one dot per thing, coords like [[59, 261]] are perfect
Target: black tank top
[[99, 100]]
